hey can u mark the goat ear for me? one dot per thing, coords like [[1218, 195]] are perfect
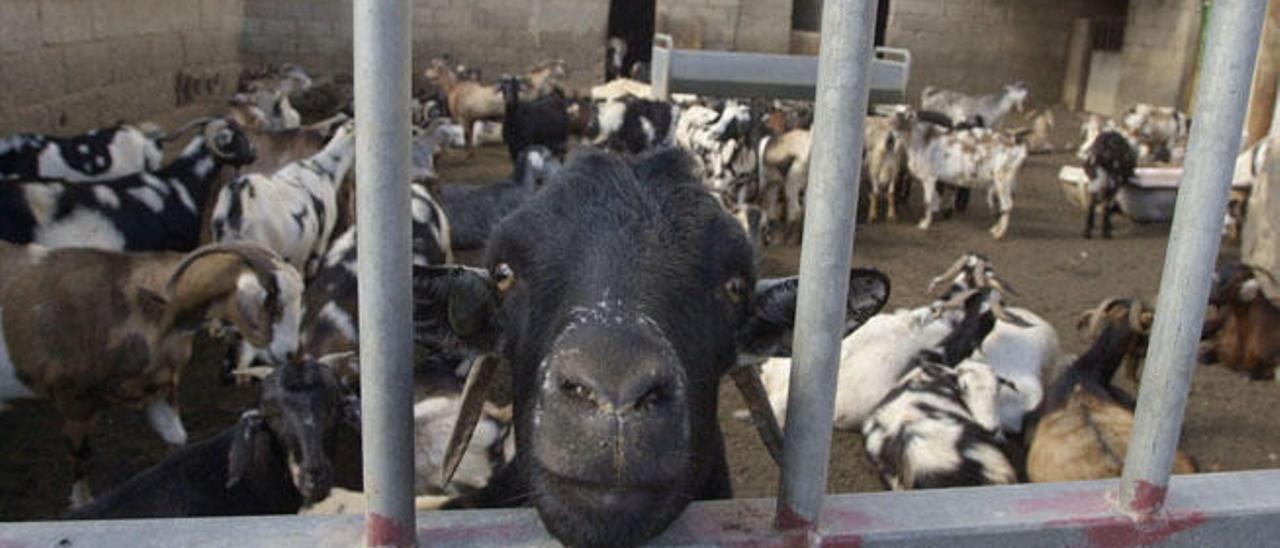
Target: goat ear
[[462, 300], [242, 440], [474, 394], [770, 321]]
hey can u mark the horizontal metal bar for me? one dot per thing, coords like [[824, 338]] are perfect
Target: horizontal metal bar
[[1225, 509]]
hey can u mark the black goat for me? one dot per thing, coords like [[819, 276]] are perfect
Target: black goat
[[542, 121], [1109, 164], [275, 460], [474, 210]]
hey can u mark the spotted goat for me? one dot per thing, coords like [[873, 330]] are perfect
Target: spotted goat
[[99, 155]]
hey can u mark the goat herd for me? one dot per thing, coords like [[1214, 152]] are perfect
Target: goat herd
[[615, 290]]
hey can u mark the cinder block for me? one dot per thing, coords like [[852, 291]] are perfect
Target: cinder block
[[130, 58], [19, 25], [63, 21], [33, 76], [88, 65]]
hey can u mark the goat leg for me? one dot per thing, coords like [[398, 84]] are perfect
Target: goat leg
[[1091, 206], [872, 205], [1106, 221], [77, 433]]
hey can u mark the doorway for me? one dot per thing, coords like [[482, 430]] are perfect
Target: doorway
[[633, 22]]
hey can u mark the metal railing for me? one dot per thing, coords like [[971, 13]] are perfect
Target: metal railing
[[1200, 510]]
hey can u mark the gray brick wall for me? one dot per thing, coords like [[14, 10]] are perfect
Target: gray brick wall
[[976, 46], [70, 65], [742, 25], [1160, 44], [498, 36]]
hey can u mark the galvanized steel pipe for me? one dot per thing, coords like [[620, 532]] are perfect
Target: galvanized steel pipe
[[840, 106], [1221, 97], [382, 87]]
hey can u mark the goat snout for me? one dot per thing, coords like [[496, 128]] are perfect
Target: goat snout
[[612, 408]]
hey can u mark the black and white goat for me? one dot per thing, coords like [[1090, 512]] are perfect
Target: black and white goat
[[1109, 164], [275, 460], [293, 211], [715, 137], [939, 426], [143, 212], [633, 125], [541, 121], [99, 155], [474, 210], [329, 324]]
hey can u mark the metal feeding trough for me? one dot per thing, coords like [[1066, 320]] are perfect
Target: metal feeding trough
[[1149, 199]]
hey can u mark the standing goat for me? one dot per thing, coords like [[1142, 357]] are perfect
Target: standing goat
[[541, 121], [474, 210], [276, 459], [99, 155], [969, 158], [1110, 165], [1085, 423], [292, 212], [715, 137], [468, 101], [885, 159], [784, 176], [981, 110], [125, 326], [143, 212]]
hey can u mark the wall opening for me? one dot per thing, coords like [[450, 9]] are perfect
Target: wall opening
[[633, 22], [806, 15]]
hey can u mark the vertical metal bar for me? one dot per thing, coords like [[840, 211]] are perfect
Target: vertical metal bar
[[840, 107], [1221, 98], [382, 87]]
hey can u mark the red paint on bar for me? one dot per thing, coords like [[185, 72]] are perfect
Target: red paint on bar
[[1147, 498], [380, 530], [788, 519], [1080, 502], [1122, 532]]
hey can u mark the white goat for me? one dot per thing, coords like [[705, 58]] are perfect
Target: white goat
[[982, 110], [885, 151], [970, 158], [292, 212], [1161, 131]]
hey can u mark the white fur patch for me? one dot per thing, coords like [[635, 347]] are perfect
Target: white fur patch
[[149, 197], [340, 319], [106, 196], [10, 387], [83, 228], [80, 495], [166, 422], [43, 200], [284, 333]]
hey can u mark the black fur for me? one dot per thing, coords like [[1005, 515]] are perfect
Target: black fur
[[474, 210], [1114, 160], [543, 121], [20, 160]]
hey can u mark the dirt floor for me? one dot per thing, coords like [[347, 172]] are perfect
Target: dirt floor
[[1229, 423]]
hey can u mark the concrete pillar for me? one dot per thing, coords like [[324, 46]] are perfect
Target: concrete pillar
[[1076, 81], [1262, 97]]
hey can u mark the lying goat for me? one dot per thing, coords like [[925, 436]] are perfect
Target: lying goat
[[981, 110], [292, 212], [275, 460], [99, 155], [969, 158], [1242, 329], [1110, 165], [939, 427], [474, 210], [143, 212], [1085, 423], [126, 322]]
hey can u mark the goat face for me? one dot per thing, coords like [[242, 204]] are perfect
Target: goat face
[[228, 142], [267, 312], [626, 293], [1017, 93], [301, 403]]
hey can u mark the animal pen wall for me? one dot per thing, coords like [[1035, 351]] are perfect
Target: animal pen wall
[[70, 65]]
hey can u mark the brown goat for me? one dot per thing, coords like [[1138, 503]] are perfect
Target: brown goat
[[91, 329], [1242, 327], [1085, 423], [468, 101]]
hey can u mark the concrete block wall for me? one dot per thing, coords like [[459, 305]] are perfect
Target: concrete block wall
[[70, 65], [498, 36], [1161, 42], [737, 25], [977, 46]]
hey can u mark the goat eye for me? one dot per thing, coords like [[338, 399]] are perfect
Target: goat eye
[[504, 277], [736, 290]]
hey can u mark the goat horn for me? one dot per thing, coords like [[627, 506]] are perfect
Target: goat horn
[[186, 127], [950, 272], [1136, 309], [997, 308], [957, 300], [999, 284], [262, 262], [474, 394], [748, 382], [209, 132]]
